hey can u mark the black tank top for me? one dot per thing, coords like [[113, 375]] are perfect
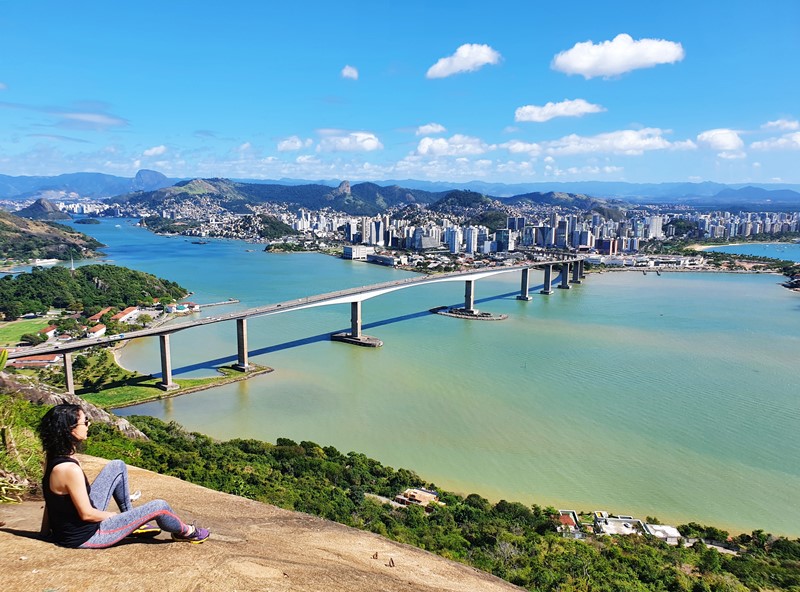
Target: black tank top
[[68, 528]]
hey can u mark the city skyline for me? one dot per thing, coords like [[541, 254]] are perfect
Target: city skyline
[[528, 92]]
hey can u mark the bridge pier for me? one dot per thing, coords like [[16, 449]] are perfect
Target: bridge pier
[[355, 320], [469, 296], [68, 379], [524, 285], [576, 273], [166, 383], [564, 285], [356, 337], [583, 270], [548, 280], [242, 362]]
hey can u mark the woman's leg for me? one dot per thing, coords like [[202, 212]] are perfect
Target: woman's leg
[[112, 481], [112, 530]]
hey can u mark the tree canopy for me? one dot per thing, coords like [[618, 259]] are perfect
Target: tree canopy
[[85, 287]]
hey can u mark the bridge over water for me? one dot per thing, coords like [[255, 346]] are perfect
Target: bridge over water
[[353, 296]]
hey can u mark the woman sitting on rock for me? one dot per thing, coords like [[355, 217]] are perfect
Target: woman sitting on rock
[[75, 512]]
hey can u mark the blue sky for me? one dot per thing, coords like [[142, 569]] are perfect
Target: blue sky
[[448, 91]]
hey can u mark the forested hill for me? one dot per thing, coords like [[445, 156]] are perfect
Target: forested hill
[[363, 199], [85, 288], [22, 239]]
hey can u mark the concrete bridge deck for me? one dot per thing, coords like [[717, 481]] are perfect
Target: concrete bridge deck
[[353, 296]]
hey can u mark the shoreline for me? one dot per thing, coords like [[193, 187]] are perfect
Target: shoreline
[[257, 371]]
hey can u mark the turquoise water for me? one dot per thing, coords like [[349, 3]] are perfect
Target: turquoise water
[[671, 395], [785, 251]]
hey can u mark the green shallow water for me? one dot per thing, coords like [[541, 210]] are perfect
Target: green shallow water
[[672, 395]]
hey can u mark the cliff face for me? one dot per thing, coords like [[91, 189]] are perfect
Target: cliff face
[[253, 546]]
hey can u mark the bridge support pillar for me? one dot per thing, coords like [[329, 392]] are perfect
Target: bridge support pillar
[[576, 273], [242, 362], [548, 280], [166, 383], [469, 295], [355, 337], [524, 284], [355, 320], [68, 380], [564, 285], [582, 268]]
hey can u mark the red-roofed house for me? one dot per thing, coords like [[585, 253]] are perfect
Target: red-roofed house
[[96, 317], [49, 331], [125, 315], [38, 361], [97, 331]]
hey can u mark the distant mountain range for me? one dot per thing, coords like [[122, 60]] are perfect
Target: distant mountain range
[[97, 185], [368, 197]]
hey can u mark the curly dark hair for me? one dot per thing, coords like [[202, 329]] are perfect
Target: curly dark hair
[[55, 430]]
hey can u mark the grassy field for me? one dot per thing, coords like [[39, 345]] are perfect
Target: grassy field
[[142, 389], [11, 331]]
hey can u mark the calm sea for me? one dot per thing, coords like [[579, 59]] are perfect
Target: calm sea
[[785, 251], [673, 396]]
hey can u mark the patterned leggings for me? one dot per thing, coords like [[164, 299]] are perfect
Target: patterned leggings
[[113, 482]]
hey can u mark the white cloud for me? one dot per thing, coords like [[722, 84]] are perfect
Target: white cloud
[[3, 86], [631, 142], [99, 120], [594, 170], [337, 141], [430, 128], [566, 108], [244, 147], [620, 55], [457, 145], [467, 58], [785, 125], [350, 72], [785, 142], [294, 143], [520, 147], [727, 141], [155, 151]]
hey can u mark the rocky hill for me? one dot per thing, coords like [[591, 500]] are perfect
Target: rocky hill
[[22, 239], [363, 199], [42, 209], [253, 546]]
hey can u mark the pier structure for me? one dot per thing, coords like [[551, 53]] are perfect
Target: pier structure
[[166, 383], [353, 296], [577, 269], [564, 285], [242, 362], [69, 381], [524, 285], [547, 288]]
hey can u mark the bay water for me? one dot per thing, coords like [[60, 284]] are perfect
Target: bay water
[[671, 395]]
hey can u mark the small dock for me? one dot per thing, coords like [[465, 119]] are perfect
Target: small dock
[[228, 301]]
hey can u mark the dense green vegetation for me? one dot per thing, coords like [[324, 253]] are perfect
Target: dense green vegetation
[[167, 226], [492, 219], [22, 240], [87, 221], [513, 541], [271, 227], [86, 288]]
